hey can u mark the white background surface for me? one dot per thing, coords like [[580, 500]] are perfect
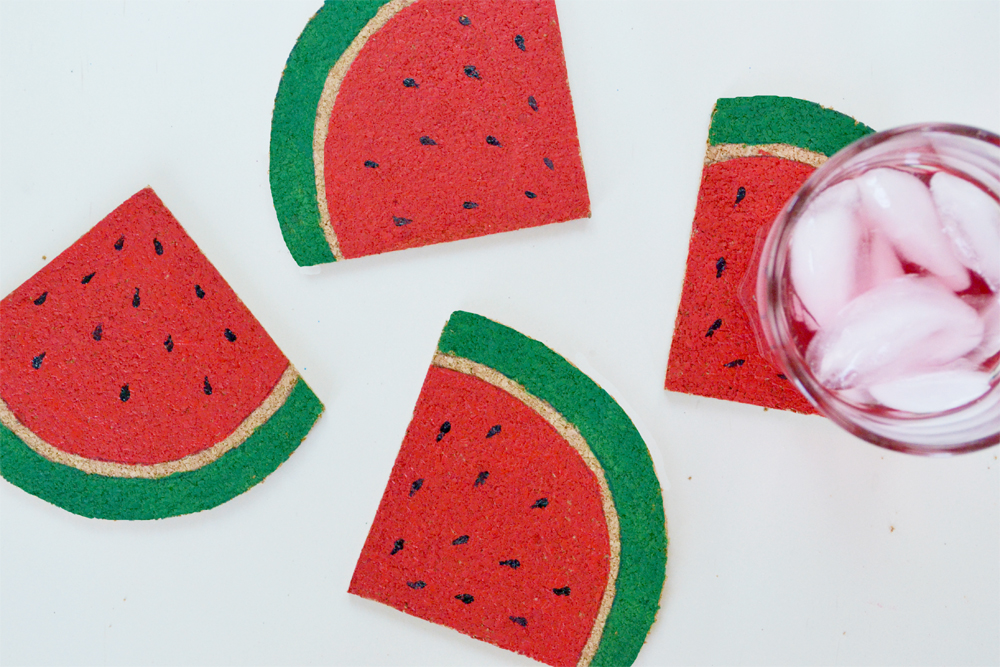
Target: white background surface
[[790, 542]]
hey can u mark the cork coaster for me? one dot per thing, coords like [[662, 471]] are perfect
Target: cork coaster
[[412, 122], [523, 509], [760, 151], [136, 384]]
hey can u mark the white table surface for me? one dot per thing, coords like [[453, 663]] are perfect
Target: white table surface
[[791, 542]]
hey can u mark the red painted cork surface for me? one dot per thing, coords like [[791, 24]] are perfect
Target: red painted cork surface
[[465, 108], [491, 524], [129, 347], [714, 350]]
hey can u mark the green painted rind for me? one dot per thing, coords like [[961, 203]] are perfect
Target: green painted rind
[[100, 497], [293, 178], [767, 119], [617, 445]]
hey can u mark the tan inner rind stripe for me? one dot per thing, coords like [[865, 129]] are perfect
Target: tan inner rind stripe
[[264, 411], [723, 152], [325, 108], [576, 440]]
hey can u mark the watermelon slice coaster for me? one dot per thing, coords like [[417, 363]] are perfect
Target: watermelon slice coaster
[[760, 152], [136, 384], [411, 122], [523, 508]]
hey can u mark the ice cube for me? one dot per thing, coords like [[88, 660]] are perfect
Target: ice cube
[[877, 263], [824, 251], [907, 325], [844, 194], [932, 392], [900, 205], [858, 396], [988, 307], [972, 220]]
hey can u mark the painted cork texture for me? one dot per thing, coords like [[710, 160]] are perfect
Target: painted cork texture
[[522, 509], [412, 122], [136, 384], [760, 151]]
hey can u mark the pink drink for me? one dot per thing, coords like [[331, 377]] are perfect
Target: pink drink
[[879, 288]]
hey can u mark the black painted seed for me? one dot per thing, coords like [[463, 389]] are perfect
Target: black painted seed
[[158, 247], [120, 243], [734, 363], [36, 363], [481, 478], [529, 194], [520, 620], [533, 104], [371, 164], [199, 292], [410, 83], [427, 141], [466, 598], [471, 72], [740, 194], [135, 298], [513, 563], [720, 266], [492, 141], [207, 388], [548, 163], [87, 278], [397, 546], [464, 20], [782, 376], [461, 539], [98, 332], [541, 502], [519, 40], [470, 205], [712, 329], [493, 431], [41, 298], [125, 393], [401, 221], [416, 486], [230, 336], [445, 427], [561, 591], [169, 343], [416, 585]]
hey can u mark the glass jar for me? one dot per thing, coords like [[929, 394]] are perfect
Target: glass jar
[[886, 324]]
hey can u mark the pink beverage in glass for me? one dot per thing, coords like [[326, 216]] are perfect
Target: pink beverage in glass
[[879, 288]]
